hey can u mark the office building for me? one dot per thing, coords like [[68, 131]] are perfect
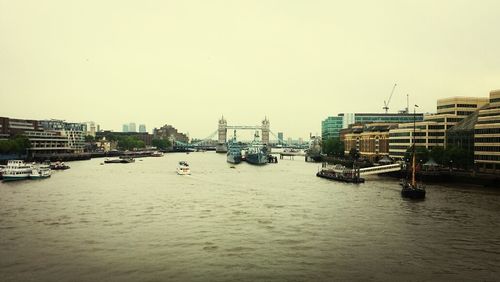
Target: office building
[[280, 138], [331, 126], [46, 142], [169, 132], [10, 127], [91, 128], [351, 118], [74, 132], [125, 128], [142, 128], [462, 136], [432, 131], [131, 127], [487, 136], [370, 140]]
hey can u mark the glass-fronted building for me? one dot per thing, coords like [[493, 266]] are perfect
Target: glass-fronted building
[[74, 132], [379, 117], [331, 126], [487, 136]]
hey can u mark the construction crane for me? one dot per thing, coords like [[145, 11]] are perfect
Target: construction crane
[[386, 104]]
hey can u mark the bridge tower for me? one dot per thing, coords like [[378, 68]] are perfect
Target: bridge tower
[[221, 144], [265, 131]]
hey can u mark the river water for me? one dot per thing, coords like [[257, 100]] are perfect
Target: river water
[[279, 222]]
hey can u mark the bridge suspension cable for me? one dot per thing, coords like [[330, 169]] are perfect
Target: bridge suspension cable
[[182, 144], [280, 140]]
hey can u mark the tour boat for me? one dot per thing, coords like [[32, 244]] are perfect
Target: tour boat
[[2, 168], [183, 168], [17, 170], [40, 171]]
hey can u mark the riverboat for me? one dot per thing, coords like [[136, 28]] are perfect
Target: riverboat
[[157, 154], [59, 166], [183, 168], [340, 173], [17, 170], [119, 161], [40, 172], [2, 168]]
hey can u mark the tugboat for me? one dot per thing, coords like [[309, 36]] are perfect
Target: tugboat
[[412, 189], [234, 151], [183, 168], [17, 170], [256, 153], [340, 173]]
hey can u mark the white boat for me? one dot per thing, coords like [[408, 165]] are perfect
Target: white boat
[[183, 168], [157, 154], [40, 171], [2, 168], [17, 170]]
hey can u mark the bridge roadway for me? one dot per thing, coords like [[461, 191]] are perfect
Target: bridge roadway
[[379, 169]]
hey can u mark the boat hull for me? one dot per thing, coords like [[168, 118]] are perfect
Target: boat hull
[[234, 159], [119, 161], [7, 178], [39, 176], [338, 178], [412, 193], [183, 172], [256, 159]]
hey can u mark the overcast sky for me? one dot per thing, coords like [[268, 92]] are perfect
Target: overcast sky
[[186, 63]]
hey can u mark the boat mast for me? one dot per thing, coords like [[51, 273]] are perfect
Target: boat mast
[[413, 160]]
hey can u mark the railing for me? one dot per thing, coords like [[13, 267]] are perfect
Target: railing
[[380, 169]]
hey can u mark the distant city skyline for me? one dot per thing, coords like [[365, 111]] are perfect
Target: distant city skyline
[[188, 63]]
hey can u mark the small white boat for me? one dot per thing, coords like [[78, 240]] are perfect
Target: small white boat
[[41, 171], [183, 168], [2, 168], [17, 170], [157, 154]]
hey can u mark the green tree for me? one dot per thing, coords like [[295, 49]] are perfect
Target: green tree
[[5, 146], [354, 153], [421, 153], [457, 157], [439, 155], [89, 138], [130, 143], [19, 144], [333, 147], [161, 144]]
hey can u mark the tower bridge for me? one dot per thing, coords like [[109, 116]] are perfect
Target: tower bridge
[[223, 127], [221, 133]]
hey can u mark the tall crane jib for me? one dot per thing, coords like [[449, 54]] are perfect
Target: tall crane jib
[[386, 103]]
